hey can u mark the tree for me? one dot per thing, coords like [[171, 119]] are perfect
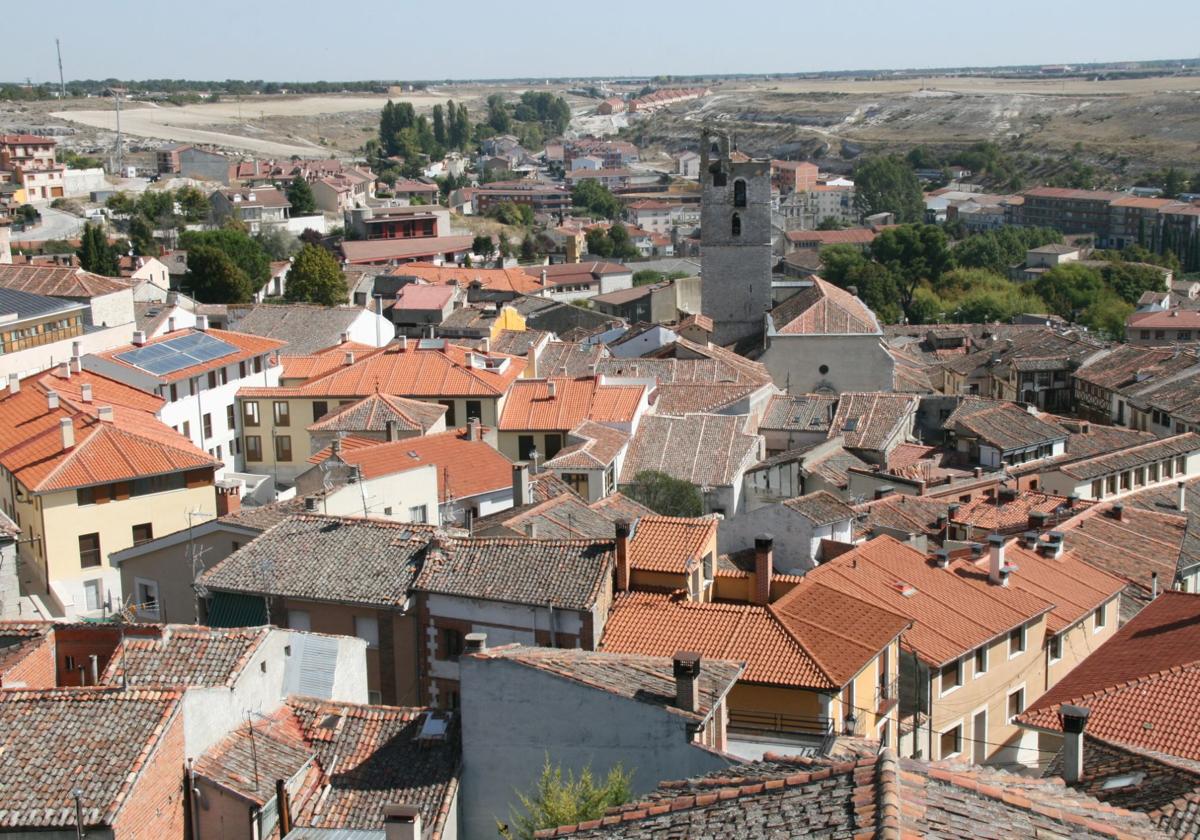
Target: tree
[[888, 184], [529, 248], [1106, 315], [498, 117], [316, 277], [300, 194], [246, 254], [559, 798], [926, 307], [194, 204], [508, 213], [1068, 288], [1129, 281], [596, 197], [213, 277], [141, 237], [647, 277], [665, 494], [913, 253], [439, 126], [95, 254], [839, 261], [278, 243], [120, 203], [483, 245], [1173, 183], [831, 223]]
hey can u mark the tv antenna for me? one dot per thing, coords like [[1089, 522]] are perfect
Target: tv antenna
[[62, 85]]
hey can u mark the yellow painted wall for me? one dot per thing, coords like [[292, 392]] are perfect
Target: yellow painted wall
[[507, 319], [866, 710], [751, 697]]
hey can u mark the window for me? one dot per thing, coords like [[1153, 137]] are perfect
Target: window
[[187, 428], [174, 393], [320, 409], [93, 595], [951, 741], [250, 413], [951, 676], [577, 482], [452, 643], [253, 448], [981, 660], [143, 533], [283, 413], [146, 593], [283, 448], [230, 417], [212, 379], [241, 370], [474, 410], [735, 226], [299, 620], [1110, 485], [1159, 335], [207, 423], [418, 513], [1054, 643], [258, 364], [524, 447], [367, 627], [1016, 703], [553, 445], [1016, 641], [718, 176], [1097, 489], [89, 550], [739, 193], [1099, 618], [449, 412], [1181, 465]]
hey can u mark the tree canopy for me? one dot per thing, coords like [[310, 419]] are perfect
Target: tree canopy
[[95, 254], [562, 798], [316, 277], [888, 184], [595, 197], [665, 494], [213, 277], [246, 254], [300, 194]]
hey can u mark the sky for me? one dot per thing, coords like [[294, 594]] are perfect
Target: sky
[[306, 40]]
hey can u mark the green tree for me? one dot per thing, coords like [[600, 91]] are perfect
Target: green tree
[[888, 184], [598, 243], [462, 127], [1069, 288], [300, 194], [439, 126], [1106, 315], [141, 237], [158, 207], [877, 287], [483, 245], [529, 248], [559, 798], [508, 213], [647, 277], [277, 242], [213, 277], [498, 117], [665, 494], [1129, 281], [193, 203], [594, 196], [246, 254], [316, 277], [926, 307], [913, 253], [831, 223], [839, 261], [121, 203], [1173, 183], [95, 254]]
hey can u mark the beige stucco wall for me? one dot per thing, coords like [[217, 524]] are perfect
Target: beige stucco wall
[[170, 568]]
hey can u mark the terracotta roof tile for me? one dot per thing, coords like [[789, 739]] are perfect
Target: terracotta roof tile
[[530, 406], [1131, 457], [182, 655], [592, 446], [872, 421], [820, 508], [373, 413], [1010, 515], [670, 543], [824, 309], [60, 281], [799, 412], [704, 449], [1002, 424]]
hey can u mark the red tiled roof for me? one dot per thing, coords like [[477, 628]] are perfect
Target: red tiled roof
[[383, 250], [823, 308], [871, 420], [850, 236], [1000, 515], [1142, 686], [373, 413], [245, 346], [495, 279], [1181, 319], [530, 406], [670, 543], [418, 296], [59, 281]]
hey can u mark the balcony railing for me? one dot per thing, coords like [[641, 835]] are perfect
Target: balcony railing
[[762, 722], [887, 694]]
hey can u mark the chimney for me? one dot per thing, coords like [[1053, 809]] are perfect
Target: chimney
[[764, 561], [544, 276], [1118, 512], [551, 388], [14, 384], [345, 337], [942, 558], [85, 392], [473, 432], [1037, 520], [67, 427], [310, 504], [336, 446], [64, 370], [105, 413], [229, 499], [202, 322], [485, 345], [76, 349], [349, 359], [403, 343], [1074, 721], [979, 472], [941, 521], [687, 681], [52, 400], [1029, 540], [139, 338], [171, 324], [996, 560], [1073, 500], [76, 364], [520, 488], [623, 571], [392, 431], [403, 822], [531, 529], [1181, 496], [475, 642], [1153, 585]]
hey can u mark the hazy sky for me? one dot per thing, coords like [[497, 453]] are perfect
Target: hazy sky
[[408, 39]]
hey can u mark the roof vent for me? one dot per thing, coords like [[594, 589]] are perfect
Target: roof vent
[[310, 504], [905, 589], [105, 413], [139, 338], [942, 558], [52, 400]]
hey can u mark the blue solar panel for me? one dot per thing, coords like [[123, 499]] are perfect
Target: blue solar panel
[[177, 353]]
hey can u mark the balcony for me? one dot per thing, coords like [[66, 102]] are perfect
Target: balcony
[[887, 694]]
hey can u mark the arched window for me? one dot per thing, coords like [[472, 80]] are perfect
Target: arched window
[[737, 225], [716, 150], [739, 193], [718, 175]]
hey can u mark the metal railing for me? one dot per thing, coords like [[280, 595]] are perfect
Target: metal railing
[[750, 720], [887, 692]]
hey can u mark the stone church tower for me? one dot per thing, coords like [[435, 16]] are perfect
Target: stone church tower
[[735, 239]]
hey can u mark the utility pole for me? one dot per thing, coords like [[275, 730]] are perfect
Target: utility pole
[[120, 145], [62, 85]]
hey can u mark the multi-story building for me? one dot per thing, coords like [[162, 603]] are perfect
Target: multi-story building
[[1067, 210], [87, 470], [256, 207], [404, 222], [540, 413], [542, 197], [197, 372], [31, 161], [793, 175]]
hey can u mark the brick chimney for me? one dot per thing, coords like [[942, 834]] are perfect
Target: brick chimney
[[1074, 721], [687, 680], [520, 488], [623, 570], [1118, 512], [402, 822], [229, 499], [67, 427], [764, 568]]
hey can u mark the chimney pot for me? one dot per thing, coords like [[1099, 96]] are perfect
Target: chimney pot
[[85, 392], [979, 472], [485, 345], [1030, 539], [1181, 495], [345, 336], [76, 364], [14, 384], [764, 562], [67, 427], [64, 370], [349, 357], [139, 338], [105, 413], [520, 491], [403, 343], [942, 558], [403, 822], [622, 551], [1074, 721], [52, 400], [171, 324], [1037, 520], [1153, 585], [475, 642], [76, 348], [687, 680], [473, 429]]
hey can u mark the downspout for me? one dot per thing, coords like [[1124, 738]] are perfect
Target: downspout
[[193, 813]]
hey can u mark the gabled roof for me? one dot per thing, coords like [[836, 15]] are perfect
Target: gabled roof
[[465, 467], [904, 513], [1131, 457], [418, 296], [383, 250], [28, 305], [373, 413], [567, 574], [530, 405], [1003, 425], [647, 679], [703, 449], [425, 368], [820, 508], [494, 279], [670, 543], [96, 740], [326, 558], [1001, 514], [1127, 365], [799, 412], [304, 328], [1142, 686], [241, 346], [1138, 545], [824, 309], [869, 421], [597, 446], [565, 516], [182, 655], [60, 281]]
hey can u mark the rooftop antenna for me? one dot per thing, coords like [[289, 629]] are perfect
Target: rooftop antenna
[[62, 85]]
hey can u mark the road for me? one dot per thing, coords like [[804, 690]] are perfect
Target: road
[[203, 123], [55, 225]]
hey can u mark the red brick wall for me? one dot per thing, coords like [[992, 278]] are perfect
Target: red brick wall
[[79, 643], [153, 808], [36, 669]]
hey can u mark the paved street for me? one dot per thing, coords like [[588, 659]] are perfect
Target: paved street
[[55, 225]]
